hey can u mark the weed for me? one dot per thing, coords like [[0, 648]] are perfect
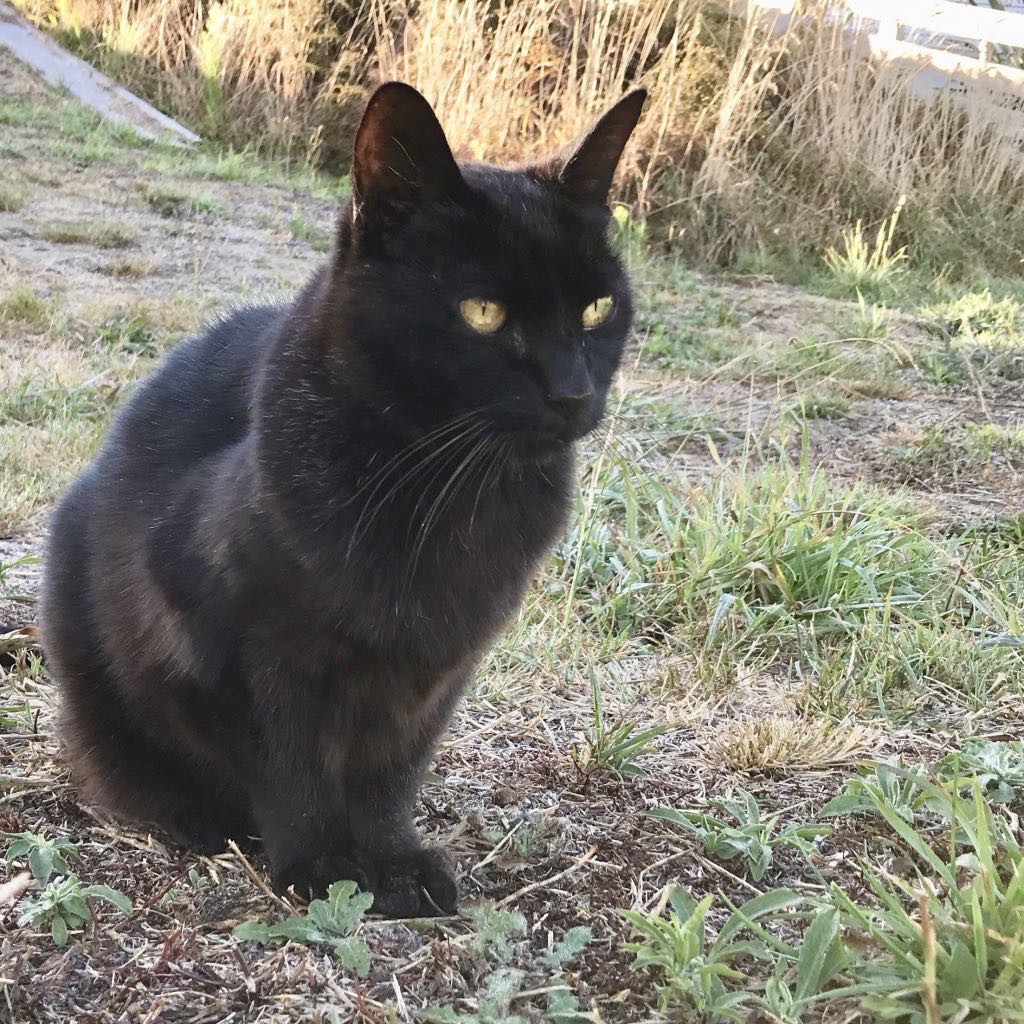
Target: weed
[[871, 320], [63, 906], [819, 407], [328, 922], [996, 767], [45, 857], [12, 196], [865, 269], [950, 942], [883, 787], [169, 202], [130, 334], [692, 972], [753, 838], [127, 266], [612, 746]]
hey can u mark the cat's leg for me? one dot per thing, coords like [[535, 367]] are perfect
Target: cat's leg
[[408, 878], [118, 766]]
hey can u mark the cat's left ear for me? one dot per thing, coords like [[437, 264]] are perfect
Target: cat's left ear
[[401, 158], [587, 172]]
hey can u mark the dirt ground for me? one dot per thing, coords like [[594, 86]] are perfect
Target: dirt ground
[[532, 829]]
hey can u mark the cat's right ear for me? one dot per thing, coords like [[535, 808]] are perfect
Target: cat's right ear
[[401, 160]]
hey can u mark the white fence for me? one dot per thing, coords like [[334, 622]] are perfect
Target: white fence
[[975, 54]]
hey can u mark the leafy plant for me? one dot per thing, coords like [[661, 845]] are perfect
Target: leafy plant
[[504, 984], [494, 929], [996, 767], [327, 922], [692, 971], [45, 857], [882, 787], [801, 975], [62, 905], [612, 746], [752, 838]]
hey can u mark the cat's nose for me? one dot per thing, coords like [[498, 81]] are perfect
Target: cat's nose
[[571, 407]]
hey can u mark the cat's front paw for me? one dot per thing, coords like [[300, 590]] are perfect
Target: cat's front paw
[[311, 878], [420, 883]]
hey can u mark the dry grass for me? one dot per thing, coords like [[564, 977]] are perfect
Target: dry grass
[[784, 743], [743, 132]]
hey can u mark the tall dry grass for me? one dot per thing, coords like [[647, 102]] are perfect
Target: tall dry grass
[[750, 144]]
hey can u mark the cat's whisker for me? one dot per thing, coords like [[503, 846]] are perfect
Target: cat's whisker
[[409, 450], [439, 504], [360, 529]]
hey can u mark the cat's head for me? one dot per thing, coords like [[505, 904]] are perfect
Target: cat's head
[[477, 294]]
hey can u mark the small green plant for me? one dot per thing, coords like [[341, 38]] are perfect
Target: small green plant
[[612, 746], [884, 786], [304, 231], [63, 906], [872, 320], [45, 857], [492, 943], [171, 203], [174, 896], [130, 334], [819, 407], [692, 972], [800, 975], [974, 314], [752, 838], [328, 922], [997, 767], [868, 269], [948, 944]]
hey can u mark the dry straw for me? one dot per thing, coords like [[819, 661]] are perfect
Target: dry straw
[[744, 132]]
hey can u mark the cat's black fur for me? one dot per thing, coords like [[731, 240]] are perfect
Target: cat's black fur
[[266, 594]]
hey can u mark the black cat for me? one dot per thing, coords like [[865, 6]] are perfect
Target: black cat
[[268, 591]]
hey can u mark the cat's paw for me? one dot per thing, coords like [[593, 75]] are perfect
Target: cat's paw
[[311, 878], [420, 883]]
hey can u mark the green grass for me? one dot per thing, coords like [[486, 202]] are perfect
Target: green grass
[[303, 230], [867, 269], [846, 588]]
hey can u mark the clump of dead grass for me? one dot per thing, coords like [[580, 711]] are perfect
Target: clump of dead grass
[[781, 742], [101, 234]]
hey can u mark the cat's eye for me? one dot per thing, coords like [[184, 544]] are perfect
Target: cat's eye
[[598, 311], [483, 315]]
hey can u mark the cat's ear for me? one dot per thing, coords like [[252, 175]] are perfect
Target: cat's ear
[[587, 172], [401, 158]]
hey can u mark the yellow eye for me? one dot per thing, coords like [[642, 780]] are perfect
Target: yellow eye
[[483, 315], [598, 311]]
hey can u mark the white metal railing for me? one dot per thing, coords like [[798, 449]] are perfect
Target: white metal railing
[[946, 44]]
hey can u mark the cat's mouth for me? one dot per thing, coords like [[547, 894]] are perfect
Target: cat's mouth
[[543, 443]]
